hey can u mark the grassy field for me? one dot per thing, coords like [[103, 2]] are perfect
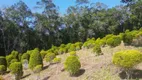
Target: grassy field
[[92, 67]]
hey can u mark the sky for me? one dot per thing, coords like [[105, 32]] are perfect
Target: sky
[[62, 4]]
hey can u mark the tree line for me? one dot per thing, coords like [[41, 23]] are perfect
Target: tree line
[[22, 30]]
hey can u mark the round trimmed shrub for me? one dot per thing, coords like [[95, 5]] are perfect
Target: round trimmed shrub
[[72, 65], [127, 37], [25, 56], [73, 53], [35, 59], [37, 69], [3, 61], [16, 69], [43, 53], [13, 60], [72, 48], [50, 56], [97, 50], [127, 59], [2, 69], [56, 60], [114, 41], [15, 54], [8, 59]]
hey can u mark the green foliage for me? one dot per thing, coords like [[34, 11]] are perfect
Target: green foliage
[[43, 53], [50, 56], [19, 56], [72, 65], [16, 69], [78, 45], [89, 43], [13, 60], [97, 50], [73, 53], [15, 54], [8, 59], [25, 56], [62, 50], [113, 41], [127, 37], [127, 59], [2, 69], [56, 60], [72, 48], [37, 69], [3, 61], [35, 59]]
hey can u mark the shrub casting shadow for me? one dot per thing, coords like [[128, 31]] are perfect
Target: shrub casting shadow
[[46, 78], [25, 76], [81, 71], [45, 67], [136, 74]]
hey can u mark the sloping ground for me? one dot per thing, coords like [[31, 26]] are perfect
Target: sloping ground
[[92, 67]]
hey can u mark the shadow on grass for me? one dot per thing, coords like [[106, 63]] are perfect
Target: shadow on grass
[[81, 72], [25, 76], [136, 74], [46, 78]]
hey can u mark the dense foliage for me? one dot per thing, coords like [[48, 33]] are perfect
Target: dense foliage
[[21, 29], [72, 65]]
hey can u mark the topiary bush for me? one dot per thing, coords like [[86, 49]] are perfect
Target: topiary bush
[[127, 37], [49, 57], [56, 60], [16, 69], [127, 59], [43, 53], [97, 50], [35, 59], [72, 65], [15, 54], [25, 56], [2, 69], [37, 69], [3, 61], [72, 48], [8, 59], [113, 41], [73, 53], [13, 60]]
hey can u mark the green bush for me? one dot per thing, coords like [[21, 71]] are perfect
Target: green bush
[[35, 59], [13, 60], [19, 56], [62, 50], [50, 56], [16, 69], [78, 45], [25, 56], [72, 65], [127, 37], [89, 43], [43, 53], [15, 54], [127, 59], [3, 61], [114, 41], [56, 60], [2, 69], [73, 53], [97, 50], [37, 69], [72, 48], [8, 59]]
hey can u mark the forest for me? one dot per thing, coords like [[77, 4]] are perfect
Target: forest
[[22, 30]]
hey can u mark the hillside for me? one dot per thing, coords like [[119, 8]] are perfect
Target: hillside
[[92, 67]]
